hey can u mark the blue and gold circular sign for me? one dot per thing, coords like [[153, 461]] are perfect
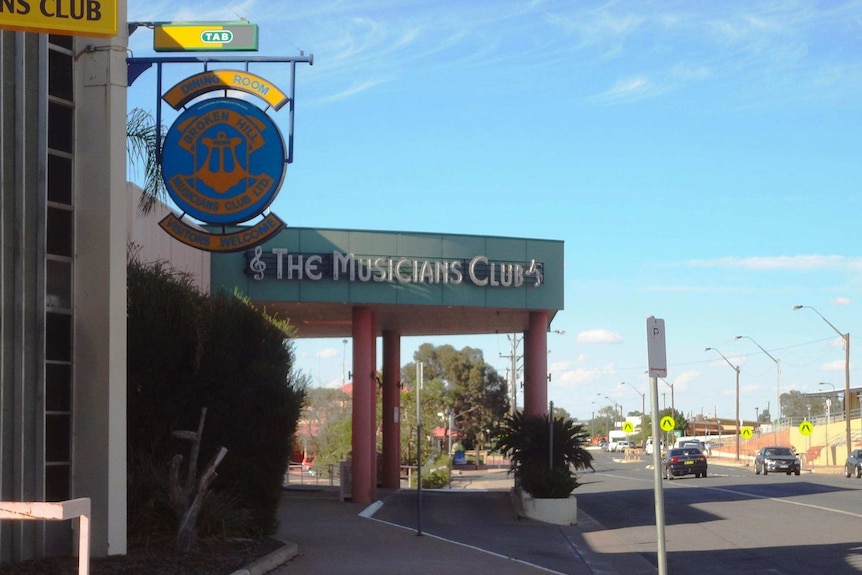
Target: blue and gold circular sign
[[223, 161]]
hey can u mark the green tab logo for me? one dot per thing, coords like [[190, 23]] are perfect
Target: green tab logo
[[216, 36]]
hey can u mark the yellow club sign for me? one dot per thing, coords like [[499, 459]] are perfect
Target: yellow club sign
[[69, 17], [629, 427], [667, 423]]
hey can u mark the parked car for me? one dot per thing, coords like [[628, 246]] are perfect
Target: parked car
[[692, 443], [776, 458], [853, 465], [308, 465], [649, 447], [684, 461], [623, 445]]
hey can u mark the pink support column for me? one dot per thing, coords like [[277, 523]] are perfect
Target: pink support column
[[391, 409], [362, 442], [536, 365]]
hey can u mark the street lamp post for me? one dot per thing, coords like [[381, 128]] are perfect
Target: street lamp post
[[672, 405], [619, 407], [832, 385], [846, 338], [343, 361], [777, 377], [859, 397], [643, 406], [515, 341], [736, 369], [670, 385]]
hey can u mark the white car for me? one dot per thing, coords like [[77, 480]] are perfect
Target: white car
[[623, 445], [650, 446]]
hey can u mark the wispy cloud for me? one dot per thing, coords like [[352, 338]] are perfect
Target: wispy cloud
[[581, 375], [696, 289], [735, 360], [352, 91], [841, 301], [793, 263], [680, 382], [755, 53], [629, 89], [599, 336], [327, 353], [837, 365]]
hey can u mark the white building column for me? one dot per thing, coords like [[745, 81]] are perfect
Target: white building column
[[100, 287]]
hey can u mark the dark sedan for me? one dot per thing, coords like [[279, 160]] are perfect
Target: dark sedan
[[684, 461], [776, 458], [853, 465]]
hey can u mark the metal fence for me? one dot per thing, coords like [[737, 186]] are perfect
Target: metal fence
[[310, 474]]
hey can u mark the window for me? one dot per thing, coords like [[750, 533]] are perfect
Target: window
[[59, 244]]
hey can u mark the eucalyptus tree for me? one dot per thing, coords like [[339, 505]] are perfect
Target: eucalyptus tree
[[472, 388]]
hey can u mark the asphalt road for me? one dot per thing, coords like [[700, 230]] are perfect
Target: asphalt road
[[732, 521]]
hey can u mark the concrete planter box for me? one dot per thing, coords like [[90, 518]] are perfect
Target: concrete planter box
[[555, 511]]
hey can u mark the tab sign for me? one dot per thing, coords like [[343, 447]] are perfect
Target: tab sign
[[205, 36], [216, 36]]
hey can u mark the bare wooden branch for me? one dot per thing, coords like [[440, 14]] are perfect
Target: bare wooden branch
[[187, 497]]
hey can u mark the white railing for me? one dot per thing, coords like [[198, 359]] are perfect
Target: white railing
[[56, 511]]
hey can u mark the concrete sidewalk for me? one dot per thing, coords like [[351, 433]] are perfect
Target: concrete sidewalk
[[343, 538], [468, 529]]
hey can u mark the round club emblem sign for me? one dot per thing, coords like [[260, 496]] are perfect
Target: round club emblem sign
[[223, 161]]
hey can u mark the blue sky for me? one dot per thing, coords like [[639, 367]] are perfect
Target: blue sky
[[701, 161]]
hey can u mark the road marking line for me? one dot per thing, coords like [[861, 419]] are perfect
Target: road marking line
[[751, 495], [778, 500], [485, 551]]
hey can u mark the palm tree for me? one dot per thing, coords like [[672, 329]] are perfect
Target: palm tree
[[543, 451], [143, 143]]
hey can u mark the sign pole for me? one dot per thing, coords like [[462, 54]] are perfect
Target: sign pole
[[657, 358], [657, 479], [419, 378]]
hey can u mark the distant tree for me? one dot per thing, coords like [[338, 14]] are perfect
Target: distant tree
[[561, 413], [326, 420], [679, 419], [603, 421], [472, 388], [433, 406], [795, 404]]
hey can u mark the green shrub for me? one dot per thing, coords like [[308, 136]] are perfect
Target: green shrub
[[437, 479], [186, 352]]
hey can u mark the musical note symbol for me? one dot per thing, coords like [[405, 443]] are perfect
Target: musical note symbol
[[256, 264], [535, 270]]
